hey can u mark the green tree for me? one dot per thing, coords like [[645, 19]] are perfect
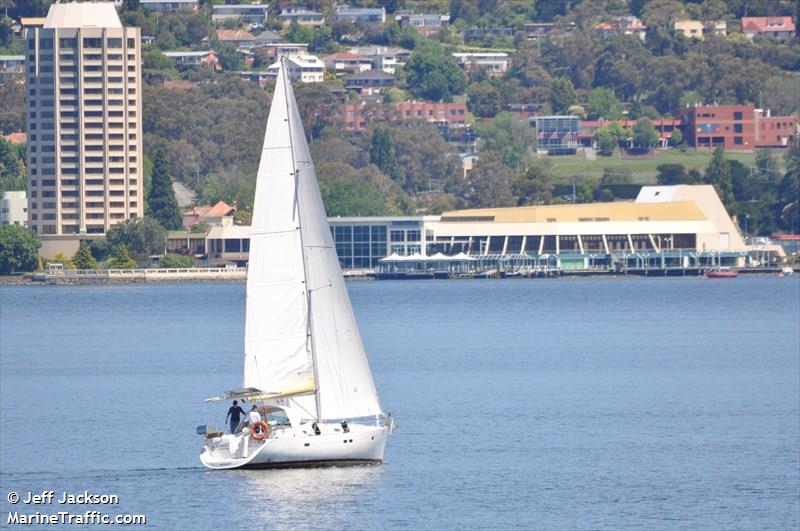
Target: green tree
[[83, 258], [120, 259], [19, 249], [175, 261], [718, 173], [670, 174], [161, 202], [603, 104], [609, 137], [351, 197], [535, 186], [788, 204], [562, 95], [142, 237], [676, 139], [432, 74], [490, 184], [381, 153], [645, 135], [229, 58]]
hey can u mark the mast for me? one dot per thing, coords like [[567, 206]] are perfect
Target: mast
[[296, 171]]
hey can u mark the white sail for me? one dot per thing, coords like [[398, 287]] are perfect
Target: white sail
[[296, 339], [277, 345]]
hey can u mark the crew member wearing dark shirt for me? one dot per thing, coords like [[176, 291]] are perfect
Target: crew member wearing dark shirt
[[235, 414]]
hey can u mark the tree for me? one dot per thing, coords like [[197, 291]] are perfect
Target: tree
[[175, 260], [381, 153], [609, 137], [781, 94], [484, 99], [142, 236], [718, 173], [788, 204], [562, 95], [432, 74], [490, 184], [161, 202], [120, 259], [19, 249], [229, 58], [83, 258], [510, 137], [670, 174], [603, 104], [535, 186], [645, 135], [351, 197], [676, 139]]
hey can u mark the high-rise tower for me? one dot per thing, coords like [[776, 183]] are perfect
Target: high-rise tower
[[84, 121]]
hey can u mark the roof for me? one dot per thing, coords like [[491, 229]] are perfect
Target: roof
[[764, 24], [32, 21], [207, 211], [370, 74], [12, 57], [338, 56], [82, 15], [671, 211], [189, 53], [229, 231], [234, 35], [298, 12], [269, 36], [16, 138]]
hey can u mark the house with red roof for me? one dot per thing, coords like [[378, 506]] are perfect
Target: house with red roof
[[241, 38], [779, 28], [629, 25], [219, 214]]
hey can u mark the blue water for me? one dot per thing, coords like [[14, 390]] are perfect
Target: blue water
[[537, 404]]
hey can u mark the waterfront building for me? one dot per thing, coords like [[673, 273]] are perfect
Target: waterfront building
[[247, 13], [683, 226], [84, 121], [14, 208]]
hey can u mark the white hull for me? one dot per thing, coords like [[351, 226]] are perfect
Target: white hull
[[361, 445]]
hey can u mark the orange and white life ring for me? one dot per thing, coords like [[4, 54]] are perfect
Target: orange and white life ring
[[262, 433]]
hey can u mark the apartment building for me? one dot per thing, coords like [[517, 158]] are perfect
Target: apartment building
[[738, 127], [84, 110]]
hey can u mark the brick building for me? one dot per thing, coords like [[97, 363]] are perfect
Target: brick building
[[355, 116], [738, 127]]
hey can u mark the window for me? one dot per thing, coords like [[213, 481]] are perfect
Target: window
[[67, 42], [738, 140], [131, 42], [114, 42], [737, 128], [93, 42], [737, 116]]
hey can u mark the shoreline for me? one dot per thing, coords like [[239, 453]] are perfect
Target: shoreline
[[27, 279]]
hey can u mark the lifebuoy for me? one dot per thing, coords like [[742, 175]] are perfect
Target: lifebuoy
[[262, 433]]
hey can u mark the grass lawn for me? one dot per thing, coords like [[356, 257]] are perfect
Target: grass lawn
[[643, 169]]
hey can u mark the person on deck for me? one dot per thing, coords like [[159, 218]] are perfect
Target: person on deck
[[235, 413], [254, 416]]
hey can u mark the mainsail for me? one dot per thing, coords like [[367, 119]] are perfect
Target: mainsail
[[300, 333]]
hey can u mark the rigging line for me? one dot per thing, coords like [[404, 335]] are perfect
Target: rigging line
[[328, 285], [267, 232]]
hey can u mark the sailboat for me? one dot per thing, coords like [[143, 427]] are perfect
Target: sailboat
[[305, 368]]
